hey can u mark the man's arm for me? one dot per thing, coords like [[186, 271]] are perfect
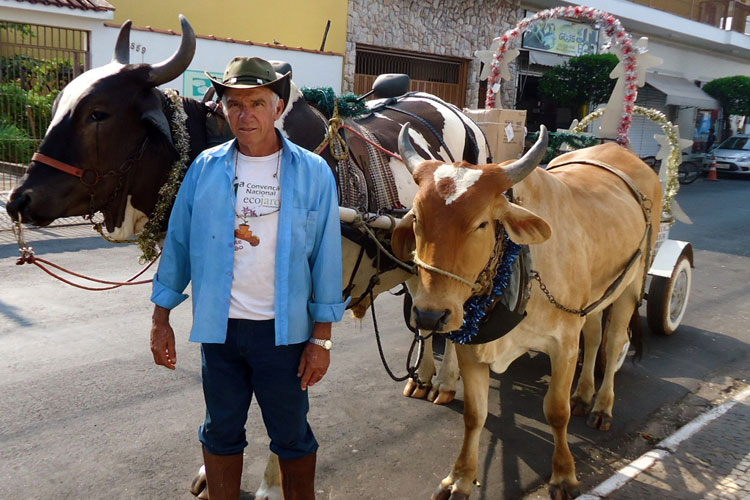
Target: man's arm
[[162, 339]]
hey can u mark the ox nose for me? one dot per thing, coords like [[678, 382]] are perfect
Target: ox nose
[[432, 320], [17, 204]]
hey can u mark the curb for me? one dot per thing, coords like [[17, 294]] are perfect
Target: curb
[[662, 450]]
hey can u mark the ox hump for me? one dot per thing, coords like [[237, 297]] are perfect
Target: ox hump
[[452, 182]]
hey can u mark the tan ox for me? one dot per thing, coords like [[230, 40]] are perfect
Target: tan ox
[[587, 233]]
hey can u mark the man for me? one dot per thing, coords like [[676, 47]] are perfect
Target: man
[[255, 227]]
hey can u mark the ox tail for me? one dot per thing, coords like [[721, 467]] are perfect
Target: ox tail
[[635, 332]]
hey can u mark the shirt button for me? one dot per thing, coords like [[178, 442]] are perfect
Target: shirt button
[[230, 245], [229, 273]]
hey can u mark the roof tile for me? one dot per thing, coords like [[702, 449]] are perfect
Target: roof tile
[[95, 5]]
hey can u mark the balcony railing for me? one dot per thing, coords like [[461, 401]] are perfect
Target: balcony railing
[[731, 15]]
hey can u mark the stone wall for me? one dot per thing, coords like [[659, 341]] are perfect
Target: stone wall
[[445, 27]]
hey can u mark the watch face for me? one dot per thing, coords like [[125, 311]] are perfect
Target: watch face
[[328, 344]]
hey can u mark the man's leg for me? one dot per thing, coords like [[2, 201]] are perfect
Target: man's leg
[[284, 407], [228, 391]]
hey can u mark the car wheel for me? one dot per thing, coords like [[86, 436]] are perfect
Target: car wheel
[[668, 298]]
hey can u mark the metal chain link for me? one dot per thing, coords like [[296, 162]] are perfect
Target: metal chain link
[[551, 298]]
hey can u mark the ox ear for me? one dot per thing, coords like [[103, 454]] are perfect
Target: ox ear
[[523, 226], [403, 240], [157, 122], [152, 115]]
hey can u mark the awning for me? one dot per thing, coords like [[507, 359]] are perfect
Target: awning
[[546, 58], [681, 92]]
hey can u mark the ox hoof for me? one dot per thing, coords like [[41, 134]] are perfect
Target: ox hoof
[[579, 407], [442, 397], [441, 494], [417, 389], [563, 491], [599, 420], [198, 484]]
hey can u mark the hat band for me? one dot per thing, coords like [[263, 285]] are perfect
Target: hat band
[[252, 80]]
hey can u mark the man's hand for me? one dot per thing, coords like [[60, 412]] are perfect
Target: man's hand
[[315, 359], [162, 339]]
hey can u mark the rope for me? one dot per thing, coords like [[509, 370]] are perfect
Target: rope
[[28, 257], [411, 370], [98, 229], [360, 223], [475, 287]]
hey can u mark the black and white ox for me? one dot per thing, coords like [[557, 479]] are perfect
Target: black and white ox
[[109, 147]]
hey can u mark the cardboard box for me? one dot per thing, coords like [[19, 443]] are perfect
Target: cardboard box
[[505, 130]]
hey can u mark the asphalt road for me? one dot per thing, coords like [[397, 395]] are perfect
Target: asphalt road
[[84, 413]]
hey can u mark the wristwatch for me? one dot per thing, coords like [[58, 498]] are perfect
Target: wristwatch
[[325, 344]]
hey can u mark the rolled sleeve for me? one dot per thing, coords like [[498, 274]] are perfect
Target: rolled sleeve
[[327, 313], [164, 296]]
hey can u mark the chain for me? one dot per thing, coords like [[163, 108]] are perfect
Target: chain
[[551, 298]]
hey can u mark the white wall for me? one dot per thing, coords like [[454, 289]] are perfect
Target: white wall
[[309, 69], [694, 63], [11, 10]]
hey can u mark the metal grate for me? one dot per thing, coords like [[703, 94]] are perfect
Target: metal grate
[[442, 76], [36, 62]]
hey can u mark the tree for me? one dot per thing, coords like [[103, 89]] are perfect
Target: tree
[[580, 80], [733, 93]]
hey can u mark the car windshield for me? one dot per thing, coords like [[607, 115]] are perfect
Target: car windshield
[[735, 143]]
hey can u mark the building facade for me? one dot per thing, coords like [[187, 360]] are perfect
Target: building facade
[[432, 41], [698, 41]]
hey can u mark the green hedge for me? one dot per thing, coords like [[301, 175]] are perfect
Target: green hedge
[[16, 146]]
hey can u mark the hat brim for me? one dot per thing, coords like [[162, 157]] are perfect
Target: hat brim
[[280, 86]]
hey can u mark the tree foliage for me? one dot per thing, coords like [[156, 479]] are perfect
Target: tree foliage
[[580, 80], [732, 92]]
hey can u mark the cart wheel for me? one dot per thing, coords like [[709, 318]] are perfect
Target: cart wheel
[[668, 298]]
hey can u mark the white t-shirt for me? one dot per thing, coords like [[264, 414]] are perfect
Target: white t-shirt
[[256, 227]]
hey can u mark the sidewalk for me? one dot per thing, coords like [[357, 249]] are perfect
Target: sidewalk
[[709, 458]]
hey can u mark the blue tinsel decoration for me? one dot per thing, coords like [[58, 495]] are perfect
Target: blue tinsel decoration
[[477, 307]]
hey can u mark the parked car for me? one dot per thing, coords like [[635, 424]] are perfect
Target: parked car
[[733, 154]]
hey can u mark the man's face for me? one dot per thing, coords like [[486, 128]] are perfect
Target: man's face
[[251, 114]]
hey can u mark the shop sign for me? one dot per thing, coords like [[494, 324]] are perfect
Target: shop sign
[[562, 37], [196, 83]]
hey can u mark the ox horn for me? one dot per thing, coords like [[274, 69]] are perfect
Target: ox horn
[[174, 66], [122, 47], [519, 169], [409, 155]]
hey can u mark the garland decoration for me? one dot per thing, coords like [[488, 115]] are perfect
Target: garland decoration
[[613, 29], [557, 140], [675, 156], [148, 238], [477, 307], [323, 98]]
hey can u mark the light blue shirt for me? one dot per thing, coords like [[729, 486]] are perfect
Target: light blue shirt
[[199, 246]]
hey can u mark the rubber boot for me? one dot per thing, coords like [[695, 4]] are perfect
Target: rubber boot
[[298, 477], [223, 475]]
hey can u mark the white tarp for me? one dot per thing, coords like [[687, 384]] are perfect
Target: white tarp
[[681, 92]]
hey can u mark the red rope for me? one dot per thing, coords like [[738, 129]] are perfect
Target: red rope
[[378, 146], [32, 259]]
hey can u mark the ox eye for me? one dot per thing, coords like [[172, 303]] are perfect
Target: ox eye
[[482, 225], [98, 116]]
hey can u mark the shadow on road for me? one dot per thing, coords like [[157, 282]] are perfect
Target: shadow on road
[[520, 441]]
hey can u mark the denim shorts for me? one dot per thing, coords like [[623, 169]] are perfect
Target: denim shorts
[[250, 363]]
